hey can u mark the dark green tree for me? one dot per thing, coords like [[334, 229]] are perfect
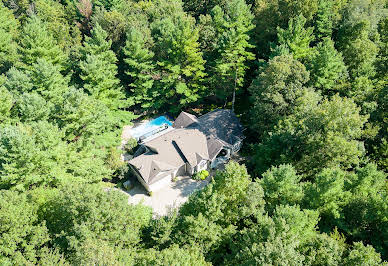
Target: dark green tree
[[140, 67], [275, 92], [81, 214], [316, 136], [232, 50], [99, 71], [22, 235], [180, 66]]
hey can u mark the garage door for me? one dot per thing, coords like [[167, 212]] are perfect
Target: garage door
[[165, 181]]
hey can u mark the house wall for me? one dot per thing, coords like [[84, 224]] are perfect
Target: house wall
[[141, 180], [180, 171], [189, 169], [201, 166]]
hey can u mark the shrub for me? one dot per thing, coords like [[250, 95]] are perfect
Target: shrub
[[130, 146], [201, 175]]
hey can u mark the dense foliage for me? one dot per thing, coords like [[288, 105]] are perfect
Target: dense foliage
[[308, 79]]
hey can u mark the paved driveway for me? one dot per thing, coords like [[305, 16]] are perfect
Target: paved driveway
[[171, 196]]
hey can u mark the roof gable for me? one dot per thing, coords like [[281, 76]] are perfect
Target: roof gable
[[184, 119]]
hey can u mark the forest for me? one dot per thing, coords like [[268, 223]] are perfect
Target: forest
[[307, 78]]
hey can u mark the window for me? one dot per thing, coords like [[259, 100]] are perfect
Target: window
[[202, 165]]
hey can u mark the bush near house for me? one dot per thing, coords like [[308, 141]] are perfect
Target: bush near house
[[130, 146], [201, 175]]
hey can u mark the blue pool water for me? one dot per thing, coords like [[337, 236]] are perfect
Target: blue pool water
[[147, 130]]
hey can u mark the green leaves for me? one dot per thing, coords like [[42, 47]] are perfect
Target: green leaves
[[275, 92], [325, 136], [179, 60], [140, 68], [281, 187], [227, 61], [22, 235]]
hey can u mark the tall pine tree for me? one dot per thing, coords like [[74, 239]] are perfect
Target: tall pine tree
[[99, 70], [140, 67], [8, 34], [296, 38], [37, 43], [179, 62], [235, 22]]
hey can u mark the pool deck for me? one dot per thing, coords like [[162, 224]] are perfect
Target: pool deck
[[126, 134]]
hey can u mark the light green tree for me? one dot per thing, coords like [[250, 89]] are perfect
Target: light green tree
[[36, 42], [282, 186], [327, 68], [297, 38], [7, 101], [9, 30], [22, 235], [327, 194], [362, 255], [324, 19]]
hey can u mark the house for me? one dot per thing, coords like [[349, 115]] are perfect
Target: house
[[193, 144]]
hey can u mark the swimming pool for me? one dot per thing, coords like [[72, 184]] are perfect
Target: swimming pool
[[150, 127]]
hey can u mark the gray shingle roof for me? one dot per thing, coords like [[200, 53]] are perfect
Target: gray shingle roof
[[184, 119], [192, 140], [172, 150], [221, 124]]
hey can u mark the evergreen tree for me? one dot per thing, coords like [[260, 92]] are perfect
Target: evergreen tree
[[8, 35], [271, 14], [324, 19], [233, 24], [37, 43], [64, 30], [48, 81], [296, 38], [139, 67], [327, 68], [99, 72], [7, 102], [180, 63], [18, 81]]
